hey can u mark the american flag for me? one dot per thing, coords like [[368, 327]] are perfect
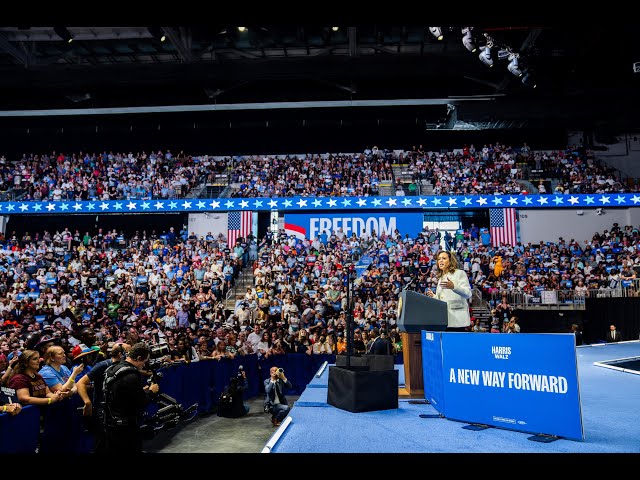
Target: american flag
[[502, 226], [238, 225]]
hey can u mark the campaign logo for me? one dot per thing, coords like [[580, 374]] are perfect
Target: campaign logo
[[501, 353], [295, 230]]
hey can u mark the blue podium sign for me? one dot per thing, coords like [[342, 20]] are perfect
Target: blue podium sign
[[526, 382], [432, 369]]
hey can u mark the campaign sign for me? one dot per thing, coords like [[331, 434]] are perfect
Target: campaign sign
[[7, 395], [312, 225], [432, 369], [525, 382]]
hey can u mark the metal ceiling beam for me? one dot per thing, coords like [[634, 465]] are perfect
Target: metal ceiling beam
[[242, 107], [46, 34], [531, 38], [181, 42], [23, 57]]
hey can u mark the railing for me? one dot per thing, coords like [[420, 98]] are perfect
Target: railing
[[563, 299]]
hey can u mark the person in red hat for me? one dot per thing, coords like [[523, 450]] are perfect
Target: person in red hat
[[85, 356]]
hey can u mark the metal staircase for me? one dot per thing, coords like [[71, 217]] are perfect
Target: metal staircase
[[480, 309], [426, 187], [244, 280]]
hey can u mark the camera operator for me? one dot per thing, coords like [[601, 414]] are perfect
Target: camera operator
[[231, 404], [95, 379], [125, 398], [275, 401]]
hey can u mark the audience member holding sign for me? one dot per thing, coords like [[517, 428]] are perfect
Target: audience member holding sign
[[453, 288]]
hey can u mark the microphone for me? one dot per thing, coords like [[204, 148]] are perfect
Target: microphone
[[411, 282]]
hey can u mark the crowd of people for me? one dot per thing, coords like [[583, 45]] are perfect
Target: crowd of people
[[107, 175], [159, 292], [499, 169], [313, 175], [69, 298], [493, 169]]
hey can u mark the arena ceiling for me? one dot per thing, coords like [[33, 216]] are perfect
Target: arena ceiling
[[584, 75]]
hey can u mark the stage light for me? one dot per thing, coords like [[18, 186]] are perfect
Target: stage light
[[485, 55], [468, 41], [158, 33], [513, 67], [63, 33], [436, 32]]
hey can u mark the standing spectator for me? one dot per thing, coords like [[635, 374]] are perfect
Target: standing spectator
[[379, 344], [30, 387], [56, 374], [613, 335], [575, 329]]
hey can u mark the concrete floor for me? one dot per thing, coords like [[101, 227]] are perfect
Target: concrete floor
[[212, 434]]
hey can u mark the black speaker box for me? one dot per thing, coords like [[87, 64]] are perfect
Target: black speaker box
[[374, 362], [358, 389]]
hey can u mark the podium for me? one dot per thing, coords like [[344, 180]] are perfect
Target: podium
[[417, 312]]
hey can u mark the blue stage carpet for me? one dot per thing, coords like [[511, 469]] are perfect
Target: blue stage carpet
[[609, 400]]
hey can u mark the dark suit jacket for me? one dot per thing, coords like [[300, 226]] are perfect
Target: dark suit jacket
[[273, 389], [380, 346], [610, 339]]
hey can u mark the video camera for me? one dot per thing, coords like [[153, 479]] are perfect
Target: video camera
[[158, 355], [169, 414]]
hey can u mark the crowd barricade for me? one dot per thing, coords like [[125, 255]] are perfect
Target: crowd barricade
[[19, 433], [64, 430]]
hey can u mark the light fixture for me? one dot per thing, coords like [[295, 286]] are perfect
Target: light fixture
[[468, 41], [485, 55], [513, 67], [63, 33], [529, 80], [335, 29], [436, 32], [79, 97], [158, 33], [242, 29]]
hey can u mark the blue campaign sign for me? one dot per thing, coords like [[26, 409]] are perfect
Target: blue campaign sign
[[312, 225], [432, 369], [526, 382]]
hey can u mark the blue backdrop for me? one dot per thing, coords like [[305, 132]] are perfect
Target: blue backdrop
[[312, 225], [320, 203]]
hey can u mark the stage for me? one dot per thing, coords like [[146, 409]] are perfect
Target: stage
[[609, 399]]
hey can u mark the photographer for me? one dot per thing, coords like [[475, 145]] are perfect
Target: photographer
[[125, 398], [94, 380], [275, 401], [231, 404]]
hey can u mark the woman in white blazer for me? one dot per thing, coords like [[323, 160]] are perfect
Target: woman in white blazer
[[453, 288]]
